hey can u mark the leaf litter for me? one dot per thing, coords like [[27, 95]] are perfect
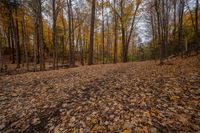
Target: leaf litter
[[120, 98]]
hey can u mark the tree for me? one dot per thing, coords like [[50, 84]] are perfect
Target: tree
[[57, 6], [24, 42], [115, 34], [180, 25], [91, 45], [95, 31], [103, 45], [36, 9], [1, 54], [197, 25], [125, 16], [71, 41], [63, 37]]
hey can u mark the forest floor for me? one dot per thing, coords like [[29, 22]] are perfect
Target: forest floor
[[130, 97]]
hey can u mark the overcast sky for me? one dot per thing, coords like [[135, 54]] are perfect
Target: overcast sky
[[143, 27]]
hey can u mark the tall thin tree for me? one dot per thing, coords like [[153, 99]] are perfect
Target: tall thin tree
[[91, 45]]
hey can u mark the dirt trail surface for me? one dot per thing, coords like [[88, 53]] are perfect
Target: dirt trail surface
[[131, 97]]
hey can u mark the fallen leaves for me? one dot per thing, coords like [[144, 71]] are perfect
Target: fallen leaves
[[174, 98], [36, 121], [122, 98], [94, 120], [126, 131]]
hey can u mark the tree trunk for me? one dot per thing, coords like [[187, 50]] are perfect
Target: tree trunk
[[17, 61], [41, 39], [103, 45], [24, 42], [197, 25], [12, 34], [180, 29], [63, 39], [157, 6], [35, 44], [115, 34], [90, 55], [9, 40], [1, 54], [81, 46], [174, 31], [54, 36], [123, 44], [108, 41], [131, 31], [123, 32], [71, 41]]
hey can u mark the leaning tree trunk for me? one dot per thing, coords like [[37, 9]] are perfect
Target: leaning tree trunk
[[131, 31]]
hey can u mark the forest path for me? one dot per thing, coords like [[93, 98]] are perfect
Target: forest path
[[105, 98]]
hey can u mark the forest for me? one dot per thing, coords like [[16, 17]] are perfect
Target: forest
[[62, 33], [97, 66]]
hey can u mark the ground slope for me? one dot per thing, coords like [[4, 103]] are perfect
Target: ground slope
[[104, 98]]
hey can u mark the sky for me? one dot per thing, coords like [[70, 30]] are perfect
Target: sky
[[143, 27]]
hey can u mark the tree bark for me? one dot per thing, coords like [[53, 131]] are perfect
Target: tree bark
[[90, 55], [41, 39], [35, 44], [24, 42], [115, 34], [157, 6], [197, 25], [71, 41], [17, 59], [63, 39], [54, 36], [103, 45], [180, 27], [1, 54]]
